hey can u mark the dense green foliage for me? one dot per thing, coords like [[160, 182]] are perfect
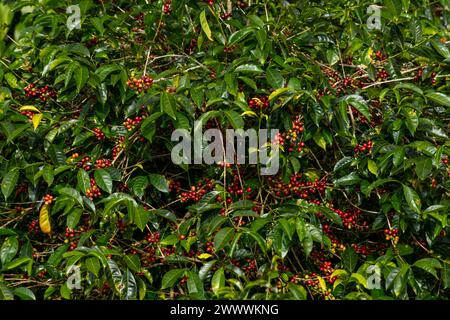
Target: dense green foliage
[[86, 116]]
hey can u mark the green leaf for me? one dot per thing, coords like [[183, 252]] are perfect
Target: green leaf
[[274, 78], [429, 265], [235, 119], [72, 193], [9, 182], [260, 240], [5, 293], [168, 104], [218, 280], [330, 214], [159, 182], [73, 218], [320, 140], [93, 265], [372, 166], [412, 199], [103, 180], [439, 98], [205, 25], [195, 285], [129, 286], [248, 68], [239, 35], [349, 259], [11, 80], [304, 236], [359, 104], [409, 86], [350, 179], [24, 293], [172, 277], [83, 181], [81, 76], [446, 275], [141, 217], [138, 185], [133, 262], [16, 263], [48, 174], [223, 237], [423, 167], [9, 249], [298, 291]]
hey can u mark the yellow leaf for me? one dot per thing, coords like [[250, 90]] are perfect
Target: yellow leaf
[[36, 120], [277, 92], [44, 219], [249, 113], [29, 108], [370, 53], [322, 284], [204, 256]]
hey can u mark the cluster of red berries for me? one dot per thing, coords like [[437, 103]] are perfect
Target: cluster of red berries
[[131, 124], [139, 23], [446, 162], [210, 2], [350, 219], [121, 225], [418, 75], [230, 50], [209, 247], [167, 251], [28, 114], [70, 234], [192, 45], [33, 227], [93, 191], [258, 102], [226, 15], [365, 148], [44, 93], [197, 192], [99, 134], [149, 256], [102, 163], [174, 186], [167, 9], [382, 75], [140, 85], [153, 237], [251, 266], [326, 268], [48, 199], [296, 186], [391, 234], [363, 249], [433, 78], [235, 187], [85, 163], [92, 42], [119, 146], [292, 136], [379, 55], [241, 4], [338, 84]]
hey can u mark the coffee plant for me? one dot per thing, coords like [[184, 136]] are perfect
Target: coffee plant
[[92, 206]]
